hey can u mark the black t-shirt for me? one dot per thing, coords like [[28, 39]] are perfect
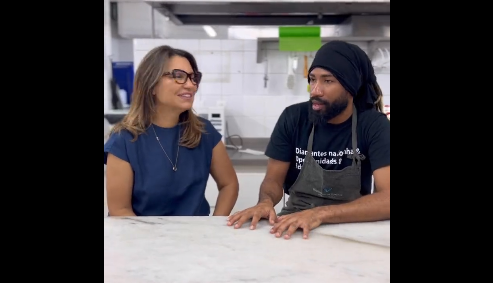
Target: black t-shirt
[[331, 143]]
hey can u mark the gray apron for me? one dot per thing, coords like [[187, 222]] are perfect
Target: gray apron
[[316, 186]]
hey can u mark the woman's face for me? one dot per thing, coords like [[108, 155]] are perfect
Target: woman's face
[[178, 86]]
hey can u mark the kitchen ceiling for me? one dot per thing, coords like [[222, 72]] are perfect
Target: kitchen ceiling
[[263, 13]]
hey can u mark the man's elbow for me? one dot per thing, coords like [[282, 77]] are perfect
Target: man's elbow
[[384, 194], [384, 203]]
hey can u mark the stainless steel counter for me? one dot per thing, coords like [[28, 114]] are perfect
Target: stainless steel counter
[[245, 159]]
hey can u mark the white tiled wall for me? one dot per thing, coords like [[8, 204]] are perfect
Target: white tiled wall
[[231, 73]]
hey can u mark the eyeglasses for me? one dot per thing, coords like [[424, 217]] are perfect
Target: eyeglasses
[[181, 76]]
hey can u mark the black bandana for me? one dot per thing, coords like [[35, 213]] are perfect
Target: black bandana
[[352, 68]]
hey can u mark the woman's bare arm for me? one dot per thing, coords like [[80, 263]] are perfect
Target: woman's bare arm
[[227, 182], [119, 180]]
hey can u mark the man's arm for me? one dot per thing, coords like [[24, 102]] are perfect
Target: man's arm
[[271, 191], [376, 206], [372, 207], [280, 151]]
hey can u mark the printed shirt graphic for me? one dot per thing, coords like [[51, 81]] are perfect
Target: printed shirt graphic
[[332, 148]]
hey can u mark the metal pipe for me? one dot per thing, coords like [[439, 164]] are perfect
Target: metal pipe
[[153, 24]]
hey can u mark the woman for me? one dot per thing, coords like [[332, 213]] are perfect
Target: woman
[[160, 155]]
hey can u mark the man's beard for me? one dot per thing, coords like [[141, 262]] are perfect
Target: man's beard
[[330, 111]]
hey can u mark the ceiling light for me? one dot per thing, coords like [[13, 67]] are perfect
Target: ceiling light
[[210, 31]]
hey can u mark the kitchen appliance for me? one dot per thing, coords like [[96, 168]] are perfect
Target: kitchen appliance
[[216, 115], [218, 120]]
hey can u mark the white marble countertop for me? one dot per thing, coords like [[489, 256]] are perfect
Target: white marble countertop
[[205, 250]]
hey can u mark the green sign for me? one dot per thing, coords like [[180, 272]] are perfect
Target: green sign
[[302, 39]]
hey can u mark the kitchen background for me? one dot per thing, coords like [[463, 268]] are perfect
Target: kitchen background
[[237, 48]]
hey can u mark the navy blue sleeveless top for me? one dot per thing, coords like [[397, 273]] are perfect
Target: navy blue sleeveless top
[[157, 189]]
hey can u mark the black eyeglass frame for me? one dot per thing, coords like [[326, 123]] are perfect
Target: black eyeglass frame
[[194, 77]]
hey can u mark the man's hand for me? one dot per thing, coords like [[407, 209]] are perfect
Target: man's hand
[[262, 210], [306, 220]]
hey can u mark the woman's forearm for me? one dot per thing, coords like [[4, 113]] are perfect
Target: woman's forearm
[[122, 212], [226, 200]]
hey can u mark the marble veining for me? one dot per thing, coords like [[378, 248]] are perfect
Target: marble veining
[[205, 250]]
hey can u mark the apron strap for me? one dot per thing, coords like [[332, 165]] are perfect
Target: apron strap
[[354, 135], [310, 140]]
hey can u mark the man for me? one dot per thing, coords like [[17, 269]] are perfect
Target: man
[[324, 152]]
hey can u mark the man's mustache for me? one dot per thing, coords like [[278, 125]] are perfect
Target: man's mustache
[[318, 99]]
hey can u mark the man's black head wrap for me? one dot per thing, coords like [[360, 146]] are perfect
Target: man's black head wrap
[[352, 68]]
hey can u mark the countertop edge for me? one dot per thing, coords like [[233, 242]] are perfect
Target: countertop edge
[[339, 231]]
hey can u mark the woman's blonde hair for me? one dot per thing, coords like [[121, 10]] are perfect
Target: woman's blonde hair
[[379, 102], [143, 106]]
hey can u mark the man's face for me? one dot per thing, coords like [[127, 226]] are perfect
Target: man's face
[[327, 96]]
